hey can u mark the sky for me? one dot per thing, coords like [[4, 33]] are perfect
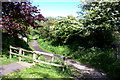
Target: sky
[[54, 8]]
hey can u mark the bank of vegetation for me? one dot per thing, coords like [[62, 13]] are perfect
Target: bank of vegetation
[[88, 40]]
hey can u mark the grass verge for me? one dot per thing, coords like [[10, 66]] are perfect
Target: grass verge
[[40, 71], [102, 60]]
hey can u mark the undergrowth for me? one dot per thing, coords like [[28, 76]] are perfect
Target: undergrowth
[[102, 59]]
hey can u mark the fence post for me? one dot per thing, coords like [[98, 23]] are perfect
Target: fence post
[[52, 58], [20, 52], [23, 53], [34, 58], [63, 63], [39, 56], [116, 53], [10, 52]]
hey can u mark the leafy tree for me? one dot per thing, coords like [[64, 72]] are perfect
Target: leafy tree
[[50, 21], [101, 19], [103, 15], [62, 29], [45, 31], [65, 28], [18, 16]]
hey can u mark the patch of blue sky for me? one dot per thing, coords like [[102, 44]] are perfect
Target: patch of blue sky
[[56, 8]]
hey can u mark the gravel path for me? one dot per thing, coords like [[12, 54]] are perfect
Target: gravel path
[[84, 70]]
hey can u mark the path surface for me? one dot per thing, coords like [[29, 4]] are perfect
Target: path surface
[[36, 47], [13, 67], [84, 70]]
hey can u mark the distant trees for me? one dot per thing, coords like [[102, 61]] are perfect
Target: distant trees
[[62, 29], [65, 28], [18, 16]]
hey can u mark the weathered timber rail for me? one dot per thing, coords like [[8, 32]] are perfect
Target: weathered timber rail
[[21, 53]]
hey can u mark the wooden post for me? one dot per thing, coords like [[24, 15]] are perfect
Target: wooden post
[[116, 46], [39, 57], [52, 58], [116, 53], [10, 52], [20, 52], [34, 58], [23, 53], [63, 63]]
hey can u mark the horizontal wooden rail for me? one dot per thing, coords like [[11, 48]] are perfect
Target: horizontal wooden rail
[[38, 52], [49, 63], [21, 48], [27, 50], [21, 54], [14, 47], [58, 56]]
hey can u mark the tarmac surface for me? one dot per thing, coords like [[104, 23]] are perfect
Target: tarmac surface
[[13, 67]]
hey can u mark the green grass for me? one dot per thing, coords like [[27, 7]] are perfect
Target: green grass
[[5, 61], [30, 38], [37, 71], [102, 60], [47, 46], [41, 71]]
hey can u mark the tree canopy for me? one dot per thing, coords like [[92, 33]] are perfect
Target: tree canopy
[[102, 15], [18, 16]]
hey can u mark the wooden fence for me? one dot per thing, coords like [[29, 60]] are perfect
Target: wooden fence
[[21, 53]]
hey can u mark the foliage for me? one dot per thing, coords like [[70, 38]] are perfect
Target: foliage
[[5, 60], [103, 60], [101, 19], [30, 38], [104, 15], [50, 22], [10, 40], [45, 32], [66, 28], [47, 45], [63, 30], [18, 16]]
